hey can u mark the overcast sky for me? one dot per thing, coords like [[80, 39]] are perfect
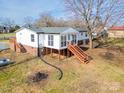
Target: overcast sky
[[18, 9]]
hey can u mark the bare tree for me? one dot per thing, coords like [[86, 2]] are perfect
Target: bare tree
[[7, 22], [45, 20], [96, 14], [28, 21], [75, 23]]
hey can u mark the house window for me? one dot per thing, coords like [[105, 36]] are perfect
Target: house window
[[81, 33], [63, 40], [32, 38], [74, 39], [50, 40], [85, 34], [68, 36]]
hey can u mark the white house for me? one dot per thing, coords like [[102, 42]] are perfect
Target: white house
[[34, 40]]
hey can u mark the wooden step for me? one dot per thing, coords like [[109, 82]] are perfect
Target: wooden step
[[79, 53], [82, 52]]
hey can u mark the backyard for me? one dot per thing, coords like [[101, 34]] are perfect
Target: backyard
[[104, 73], [5, 37]]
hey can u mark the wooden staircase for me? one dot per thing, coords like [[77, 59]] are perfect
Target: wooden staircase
[[79, 53], [17, 46], [20, 47]]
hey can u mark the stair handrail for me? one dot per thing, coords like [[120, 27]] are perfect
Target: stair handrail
[[77, 55], [82, 51], [76, 50]]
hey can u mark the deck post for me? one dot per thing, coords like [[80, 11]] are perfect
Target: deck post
[[59, 54], [51, 52], [67, 53], [84, 42], [63, 53], [46, 50]]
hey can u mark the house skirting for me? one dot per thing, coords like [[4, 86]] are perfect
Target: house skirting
[[30, 50], [20, 48], [41, 51]]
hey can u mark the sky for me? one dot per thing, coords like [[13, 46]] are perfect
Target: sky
[[17, 10]]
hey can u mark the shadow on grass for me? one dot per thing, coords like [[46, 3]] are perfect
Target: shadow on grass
[[14, 64]]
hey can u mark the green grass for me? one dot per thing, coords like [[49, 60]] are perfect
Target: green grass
[[95, 77], [7, 35], [4, 40], [115, 41]]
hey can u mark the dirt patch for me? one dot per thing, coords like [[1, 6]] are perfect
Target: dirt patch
[[37, 78], [117, 49], [107, 55]]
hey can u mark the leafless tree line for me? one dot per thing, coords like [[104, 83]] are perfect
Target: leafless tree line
[[47, 20]]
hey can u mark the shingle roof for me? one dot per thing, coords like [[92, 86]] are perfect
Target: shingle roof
[[55, 30], [81, 29]]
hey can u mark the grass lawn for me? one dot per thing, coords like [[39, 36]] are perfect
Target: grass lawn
[[4, 40], [99, 76], [7, 35], [115, 41]]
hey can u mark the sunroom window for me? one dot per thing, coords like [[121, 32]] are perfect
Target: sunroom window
[[69, 36], [74, 39], [50, 40], [86, 34], [63, 40]]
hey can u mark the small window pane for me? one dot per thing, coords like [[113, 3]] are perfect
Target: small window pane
[[32, 37], [50, 40], [48, 37], [68, 36], [63, 40], [49, 43], [51, 37], [86, 34]]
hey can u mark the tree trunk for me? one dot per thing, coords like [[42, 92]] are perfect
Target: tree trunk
[[90, 42]]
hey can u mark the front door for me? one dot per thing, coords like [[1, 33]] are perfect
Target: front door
[[40, 44]]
